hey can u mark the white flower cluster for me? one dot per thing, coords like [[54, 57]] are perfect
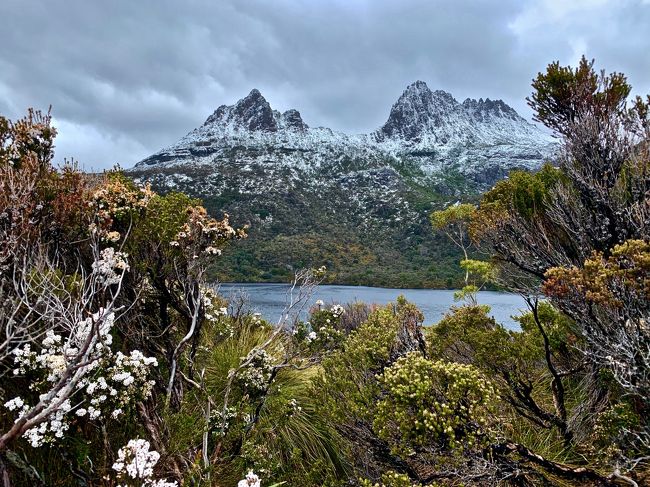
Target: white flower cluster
[[109, 261], [56, 353], [294, 407], [212, 250], [136, 462], [47, 431], [108, 381], [214, 311], [257, 318], [337, 310], [85, 328], [327, 333], [112, 236], [220, 420], [257, 373], [126, 380], [251, 480]]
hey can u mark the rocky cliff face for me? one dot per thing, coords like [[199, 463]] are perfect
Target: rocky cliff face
[[359, 203], [254, 114], [480, 139]]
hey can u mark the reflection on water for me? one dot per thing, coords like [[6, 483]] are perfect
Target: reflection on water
[[270, 299]]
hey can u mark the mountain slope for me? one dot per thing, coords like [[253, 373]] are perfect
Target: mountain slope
[[355, 203]]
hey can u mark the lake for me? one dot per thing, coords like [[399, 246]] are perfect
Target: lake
[[269, 299]]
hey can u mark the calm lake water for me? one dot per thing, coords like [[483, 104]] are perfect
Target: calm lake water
[[270, 299]]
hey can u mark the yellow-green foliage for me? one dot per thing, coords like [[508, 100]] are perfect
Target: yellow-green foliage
[[348, 380], [454, 215], [612, 431], [391, 479], [432, 404], [468, 334], [166, 216], [479, 268], [524, 192]]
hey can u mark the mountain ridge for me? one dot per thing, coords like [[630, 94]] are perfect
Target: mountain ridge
[[357, 203], [431, 126]]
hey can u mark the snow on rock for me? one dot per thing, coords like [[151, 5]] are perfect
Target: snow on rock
[[481, 139]]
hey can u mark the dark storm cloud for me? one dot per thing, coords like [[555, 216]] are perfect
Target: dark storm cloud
[[128, 77]]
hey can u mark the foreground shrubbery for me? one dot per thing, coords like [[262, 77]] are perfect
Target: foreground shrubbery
[[121, 366]]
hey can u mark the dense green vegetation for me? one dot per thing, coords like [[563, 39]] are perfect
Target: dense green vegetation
[[315, 224], [120, 366], [309, 231]]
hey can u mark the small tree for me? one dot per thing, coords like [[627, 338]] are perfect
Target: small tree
[[455, 222], [580, 231]]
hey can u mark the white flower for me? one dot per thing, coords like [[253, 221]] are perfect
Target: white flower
[[135, 460], [112, 236], [212, 250], [105, 266], [337, 310], [162, 483], [15, 403], [93, 413], [56, 364], [311, 336], [251, 480], [81, 412], [319, 303]]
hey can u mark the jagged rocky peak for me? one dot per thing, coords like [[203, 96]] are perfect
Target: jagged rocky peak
[[418, 110], [292, 120], [419, 98], [485, 109], [252, 113], [426, 127]]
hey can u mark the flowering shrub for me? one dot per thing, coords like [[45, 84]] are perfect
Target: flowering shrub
[[135, 462], [256, 373], [109, 261], [215, 311], [251, 480], [322, 331], [113, 201], [108, 382], [433, 404], [220, 420]]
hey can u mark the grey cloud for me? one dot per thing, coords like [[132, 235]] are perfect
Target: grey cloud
[[126, 78]]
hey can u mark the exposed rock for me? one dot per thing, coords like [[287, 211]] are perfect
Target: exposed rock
[[369, 196]]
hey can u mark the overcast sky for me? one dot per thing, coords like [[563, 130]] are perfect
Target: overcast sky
[[126, 78]]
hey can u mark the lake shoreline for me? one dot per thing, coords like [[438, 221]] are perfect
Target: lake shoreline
[[378, 286], [269, 299]]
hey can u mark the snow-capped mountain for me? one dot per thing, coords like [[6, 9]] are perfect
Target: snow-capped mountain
[[481, 139], [356, 203], [255, 132]]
